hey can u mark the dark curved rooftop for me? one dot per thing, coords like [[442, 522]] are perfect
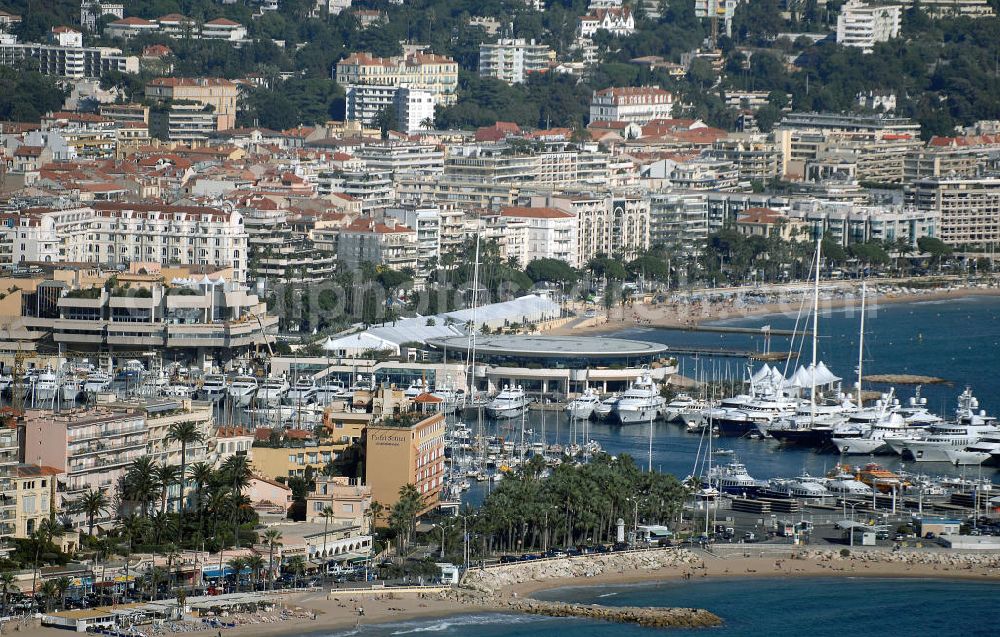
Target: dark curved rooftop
[[547, 346]]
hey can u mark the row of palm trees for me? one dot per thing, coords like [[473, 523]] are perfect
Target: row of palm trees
[[210, 504], [575, 505]]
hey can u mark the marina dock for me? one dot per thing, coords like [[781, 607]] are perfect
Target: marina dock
[[731, 329], [731, 353]]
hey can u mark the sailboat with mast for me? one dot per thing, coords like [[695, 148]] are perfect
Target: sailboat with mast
[[812, 424]]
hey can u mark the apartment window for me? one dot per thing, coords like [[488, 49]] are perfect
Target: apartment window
[[28, 504], [348, 508]]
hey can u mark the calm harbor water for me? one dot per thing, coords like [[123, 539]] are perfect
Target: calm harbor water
[[757, 608], [958, 340]]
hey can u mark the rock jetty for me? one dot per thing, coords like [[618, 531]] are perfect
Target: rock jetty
[[908, 558], [490, 588], [651, 617], [500, 578]]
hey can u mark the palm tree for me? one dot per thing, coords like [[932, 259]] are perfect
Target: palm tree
[[404, 514], [237, 472], [49, 593], [62, 587], [218, 502], [328, 515], [92, 504], [185, 433], [427, 123], [201, 474], [238, 565], [7, 580], [297, 566], [140, 485], [166, 477], [46, 531], [374, 513], [256, 565], [272, 537]]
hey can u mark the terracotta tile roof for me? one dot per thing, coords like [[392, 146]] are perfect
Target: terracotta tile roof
[[223, 22], [535, 213], [620, 91], [367, 224], [760, 216], [133, 21]]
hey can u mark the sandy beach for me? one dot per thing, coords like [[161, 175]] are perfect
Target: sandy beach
[[336, 611], [756, 567], [708, 306]]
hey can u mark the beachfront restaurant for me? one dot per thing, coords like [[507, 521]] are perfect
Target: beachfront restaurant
[[93, 619]]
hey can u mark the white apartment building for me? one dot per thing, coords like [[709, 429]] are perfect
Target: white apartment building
[[223, 29], [705, 173], [426, 221], [390, 244], [414, 107], [402, 157], [607, 223], [679, 222], [862, 25], [435, 74], [847, 223], [969, 209], [66, 60], [512, 60], [548, 233], [112, 233], [638, 104]]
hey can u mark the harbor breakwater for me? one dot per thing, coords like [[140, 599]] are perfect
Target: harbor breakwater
[[936, 558], [491, 588], [500, 578]]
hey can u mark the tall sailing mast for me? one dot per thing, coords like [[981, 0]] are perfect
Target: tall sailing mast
[[815, 332], [861, 338]]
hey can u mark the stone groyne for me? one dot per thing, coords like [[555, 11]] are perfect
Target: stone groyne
[[490, 588], [500, 578], [652, 617], [982, 559]]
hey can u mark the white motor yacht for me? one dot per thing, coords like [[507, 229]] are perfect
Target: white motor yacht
[[681, 402], [272, 391], [329, 389], [604, 409], [178, 390], [415, 388], [934, 442], [582, 407], [46, 386], [97, 381], [242, 390], [72, 387], [509, 403], [302, 392], [642, 402], [213, 387]]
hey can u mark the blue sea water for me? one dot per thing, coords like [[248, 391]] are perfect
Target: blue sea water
[[798, 607]]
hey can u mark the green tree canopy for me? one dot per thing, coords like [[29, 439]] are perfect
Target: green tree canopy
[[551, 270]]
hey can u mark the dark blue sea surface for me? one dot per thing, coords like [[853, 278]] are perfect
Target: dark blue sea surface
[[797, 607]]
